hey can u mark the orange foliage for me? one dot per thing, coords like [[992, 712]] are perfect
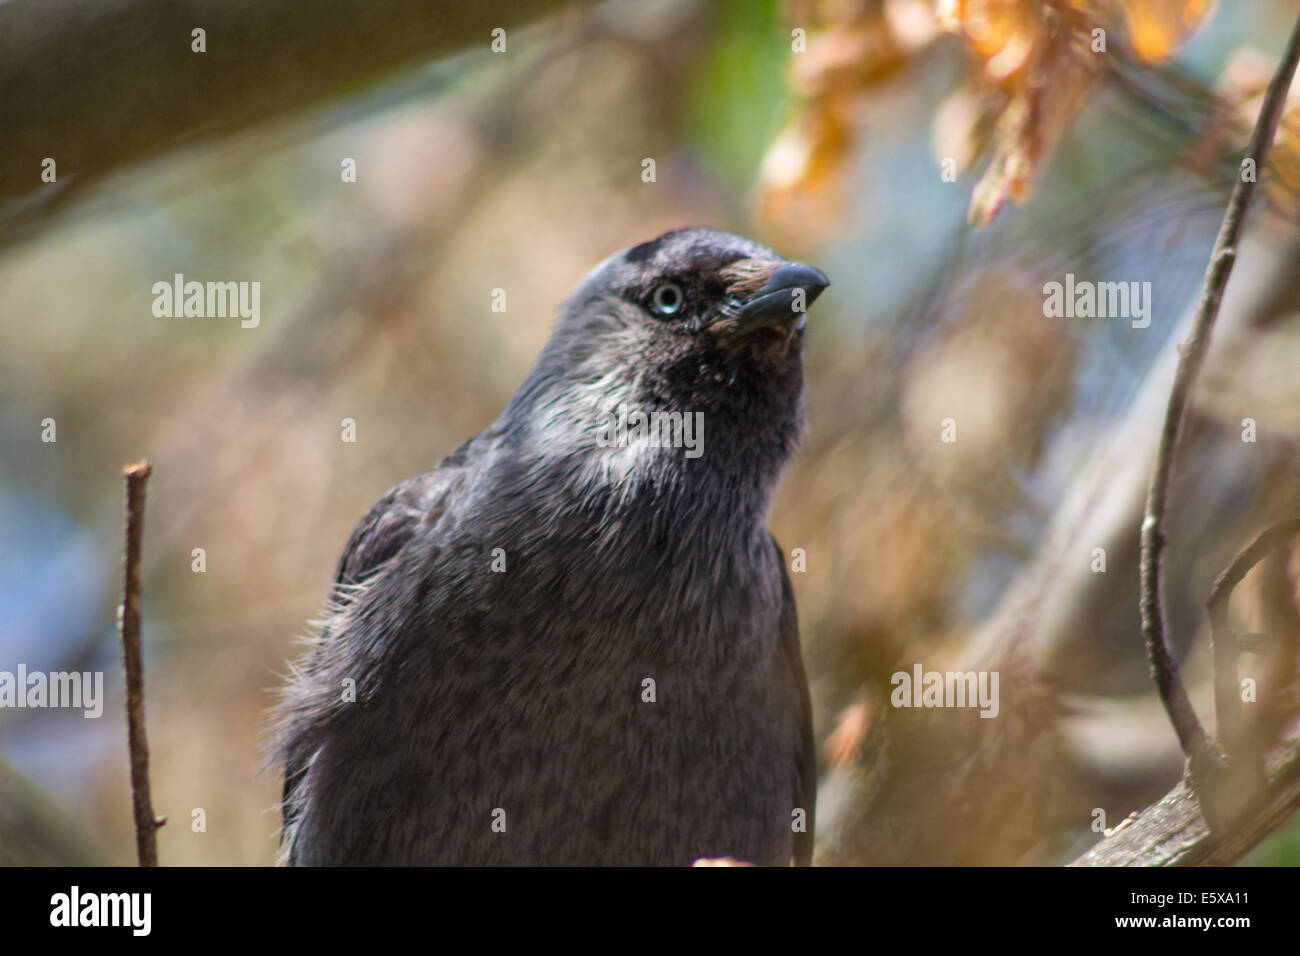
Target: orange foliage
[[1033, 64]]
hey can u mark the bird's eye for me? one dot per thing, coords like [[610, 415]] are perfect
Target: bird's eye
[[668, 298]]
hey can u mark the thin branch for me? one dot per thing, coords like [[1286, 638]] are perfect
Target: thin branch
[[1182, 829], [1227, 705], [1198, 747], [128, 617]]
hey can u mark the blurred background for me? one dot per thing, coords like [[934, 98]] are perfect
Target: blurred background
[[941, 162]]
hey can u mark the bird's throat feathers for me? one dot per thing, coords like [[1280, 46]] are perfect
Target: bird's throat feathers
[[614, 451]]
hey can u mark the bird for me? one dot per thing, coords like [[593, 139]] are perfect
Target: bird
[[575, 641]]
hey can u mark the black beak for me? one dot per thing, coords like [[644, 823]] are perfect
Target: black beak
[[784, 299]]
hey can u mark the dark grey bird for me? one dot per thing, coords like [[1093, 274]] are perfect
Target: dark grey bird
[[575, 640]]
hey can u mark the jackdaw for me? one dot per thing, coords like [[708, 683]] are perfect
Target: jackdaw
[[575, 641]]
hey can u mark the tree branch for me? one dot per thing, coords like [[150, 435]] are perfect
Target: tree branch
[[1183, 828], [99, 87], [1174, 831], [1200, 750], [128, 616]]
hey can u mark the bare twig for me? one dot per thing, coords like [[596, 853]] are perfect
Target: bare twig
[[1227, 706], [128, 617], [1184, 828], [1198, 747]]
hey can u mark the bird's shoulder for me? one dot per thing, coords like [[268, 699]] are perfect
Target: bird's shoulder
[[395, 518]]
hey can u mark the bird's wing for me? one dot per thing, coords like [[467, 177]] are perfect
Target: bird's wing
[[394, 518], [386, 528], [805, 768]]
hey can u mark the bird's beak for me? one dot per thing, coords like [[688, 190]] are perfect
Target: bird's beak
[[783, 300]]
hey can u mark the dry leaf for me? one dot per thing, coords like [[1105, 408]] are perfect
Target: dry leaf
[[852, 47], [1157, 28], [1034, 64]]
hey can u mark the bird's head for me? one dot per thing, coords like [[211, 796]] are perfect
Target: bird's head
[[699, 290], [695, 321]]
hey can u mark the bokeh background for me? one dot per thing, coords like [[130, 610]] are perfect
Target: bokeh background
[[520, 170]]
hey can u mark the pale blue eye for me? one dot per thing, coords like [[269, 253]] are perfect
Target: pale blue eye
[[668, 298]]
